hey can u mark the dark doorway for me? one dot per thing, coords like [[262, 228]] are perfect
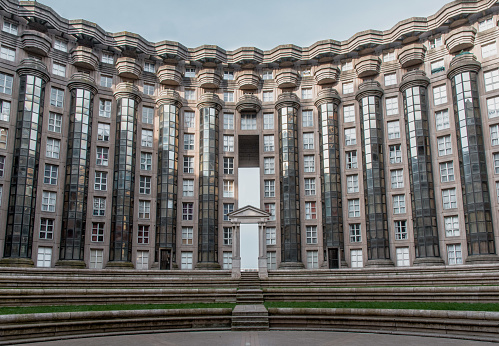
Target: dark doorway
[[249, 151], [164, 259], [333, 257]]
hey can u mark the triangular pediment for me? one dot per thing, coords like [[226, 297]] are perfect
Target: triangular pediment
[[248, 214]]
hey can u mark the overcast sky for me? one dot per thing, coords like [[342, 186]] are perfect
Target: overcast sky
[[264, 24]]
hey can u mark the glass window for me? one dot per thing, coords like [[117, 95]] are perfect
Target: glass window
[[442, 120], [307, 118], [228, 208], [143, 234], [451, 226], [189, 119], [270, 235], [351, 159], [347, 66], [349, 114], [399, 204], [228, 96], [145, 185], [149, 67], [103, 131], [188, 188], [55, 122], [228, 188], [397, 177], [310, 211], [227, 235], [107, 58], [148, 89], [395, 153], [268, 96], [271, 260], [489, 50], [228, 121], [436, 42], [97, 232], [228, 75], [53, 148], [190, 72], [268, 165], [267, 75], [50, 174], [485, 24], [454, 254], [188, 141], [493, 107], [106, 81], [147, 115], [187, 235], [48, 201], [309, 186], [105, 108], [4, 110], [312, 259], [268, 143], [393, 129], [401, 230], [146, 138], [2, 166], [228, 165], [446, 172], [392, 106], [188, 164], [60, 45], [57, 97], [9, 27], [444, 145], [100, 183], [306, 93], [308, 141], [6, 84], [99, 206], [270, 208], [347, 88], [186, 260], [311, 234], [268, 121], [352, 183], [228, 143], [491, 79], [439, 95], [102, 157], [58, 69], [389, 56], [269, 188], [449, 199], [309, 163], [145, 161], [46, 228], [187, 210], [189, 94], [355, 233], [248, 121], [437, 66], [8, 53], [144, 209], [390, 79], [354, 208], [4, 134]]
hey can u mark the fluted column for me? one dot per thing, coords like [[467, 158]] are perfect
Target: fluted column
[[74, 213], [287, 107], [332, 215], [369, 98], [166, 213], [33, 77], [209, 106], [424, 217], [472, 164], [120, 252]]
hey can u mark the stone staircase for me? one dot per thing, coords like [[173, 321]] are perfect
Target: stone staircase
[[249, 314]]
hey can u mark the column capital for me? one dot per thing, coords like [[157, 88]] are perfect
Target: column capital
[[33, 67], [210, 100], [328, 95], [287, 99], [414, 78], [82, 81], [248, 102], [369, 88], [169, 97], [127, 90], [464, 62]]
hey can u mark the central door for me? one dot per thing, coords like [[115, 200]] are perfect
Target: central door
[[249, 194]]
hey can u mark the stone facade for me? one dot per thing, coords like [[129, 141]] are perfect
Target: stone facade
[[380, 150]]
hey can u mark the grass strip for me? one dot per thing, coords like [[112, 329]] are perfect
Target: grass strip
[[7, 310], [388, 305]]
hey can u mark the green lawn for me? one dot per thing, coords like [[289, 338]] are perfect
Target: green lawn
[[72, 308], [388, 305]]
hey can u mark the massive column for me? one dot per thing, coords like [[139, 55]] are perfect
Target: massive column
[[472, 164], [120, 251], [166, 213], [74, 212], [33, 77], [369, 98], [287, 107], [209, 106], [332, 215], [413, 88]]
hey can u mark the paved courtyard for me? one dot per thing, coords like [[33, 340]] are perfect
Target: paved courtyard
[[272, 338]]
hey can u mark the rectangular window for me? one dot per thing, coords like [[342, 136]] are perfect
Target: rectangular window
[[186, 260], [436, 42], [312, 259], [268, 143], [55, 122], [306, 93], [189, 119], [270, 235], [451, 226], [269, 188], [491, 79], [402, 255], [228, 188], [145, 161], [145, 185], [347, 88], [439, 95], [103, 131], [228, 75], [144, 209], [395, 153], [50, 174], [2, 166], [149, 67], [188, 188], [58, 69], [268, 121], [309, 163], [349, 114], [356, 260], [399, 204], [6, 84], [187, 235], [189, 94], [107, 58], [187, 210], [493, 107], [56, 97], [268, 165], [267, 75], [147, 115], [190, 72], [188, 141], [442, 120], [390, 79], [227, 260], [9, 27], [97, 232], [46, 229], [392, 106], [311, 234], [4, 134], [308, 141], [389, 56], [354, 208], [148, 89], [444, 145], [355, 233], [106, 81], [454, 254], [496, 163], [310, 211], [397, 177], [100, 183], [446, 172], [248, 121], [307, 118], [146, 138], [228, 165], [4, 110], [449, 199], [228, 143], [489, 50], [494, 135], [228, 96], [99, 208], [105, 108], [437, 66], [270, 208], [268, 96], [44, 257], [8, 53], [350, 136], [53, 148], [485, 24], [228, 121], [96, 259], [271, 260], [352, 183], [393, 129], [227, 235], [188, 164], [347, 66], [309, 186], [102, 156], [48, 201], [142, 262], [401, 230], [351, 159], [228, 208], [143, 234]]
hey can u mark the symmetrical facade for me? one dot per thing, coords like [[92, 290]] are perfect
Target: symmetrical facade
[[381, 150]]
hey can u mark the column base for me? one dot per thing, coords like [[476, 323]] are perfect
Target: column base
[[207, 266], [119, 265], [262, 268], [343, 264], [236, 268], [428, 261], [380, 263], [71, 264], [482, 259], [291, 265], [17, 262]]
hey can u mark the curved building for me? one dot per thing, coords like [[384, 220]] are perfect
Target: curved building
[[381, 150]]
